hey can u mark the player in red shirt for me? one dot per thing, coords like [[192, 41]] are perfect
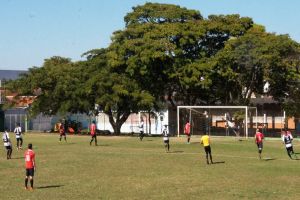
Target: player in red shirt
[[29, 165], [259, 141], [62, 132], [187, 131], [93, 133]]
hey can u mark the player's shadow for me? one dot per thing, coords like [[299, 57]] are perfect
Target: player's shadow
[[17, 158], [102, 145], [269, 159], [195, 142], [218, 162], [297, 153], [176, 151], [49, 186]]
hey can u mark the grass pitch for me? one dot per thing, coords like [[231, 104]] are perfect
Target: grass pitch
[[125, 168]]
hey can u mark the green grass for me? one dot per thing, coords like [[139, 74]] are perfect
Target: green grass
[[125, 168]]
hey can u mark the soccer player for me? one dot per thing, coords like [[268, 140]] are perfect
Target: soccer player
[[93, 133], [141, 126], [290, 134], [18, 132], [187, 131], [259, 141], [205, 140], [287, 140], [30, 166], [7, 144], [165, 135], [62, 132]]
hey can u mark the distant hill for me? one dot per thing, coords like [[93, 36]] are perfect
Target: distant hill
[[10, 74]]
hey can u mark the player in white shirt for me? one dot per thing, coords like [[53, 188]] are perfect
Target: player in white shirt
[[141, 127], [18, 132], [7, 144], [287, 140], [165, 135]]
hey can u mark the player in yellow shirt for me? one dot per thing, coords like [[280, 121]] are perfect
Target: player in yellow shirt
[[205, 140]]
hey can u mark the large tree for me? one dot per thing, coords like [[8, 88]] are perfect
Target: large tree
[[249, 62], [173, 45], [116, 94], [58, 86]]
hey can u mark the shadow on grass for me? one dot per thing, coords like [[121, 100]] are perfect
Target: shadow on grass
[[297, 153], [218, 162], [195, 142], [70, 143], [102, 145], [49, 186], [175, 151], [17, 158], [268, 159]]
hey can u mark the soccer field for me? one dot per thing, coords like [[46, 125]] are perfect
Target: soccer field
[[126, 168]]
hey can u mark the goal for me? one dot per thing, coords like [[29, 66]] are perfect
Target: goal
[[218, 120]]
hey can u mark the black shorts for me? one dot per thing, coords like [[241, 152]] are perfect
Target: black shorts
[[30, 172], [7, 147], [94, 136], [19, 139], [166, 141], [259, 145], [207, 149], [62, 134], [289, 148]]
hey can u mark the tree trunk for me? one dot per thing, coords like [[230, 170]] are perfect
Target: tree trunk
[[117, 122]]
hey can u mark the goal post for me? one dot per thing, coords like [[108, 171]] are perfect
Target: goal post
[[218, 120]]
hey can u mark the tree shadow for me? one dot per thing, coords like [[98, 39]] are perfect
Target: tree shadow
[[49, 186]]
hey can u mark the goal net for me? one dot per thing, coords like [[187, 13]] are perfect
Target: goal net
[[217, 120]]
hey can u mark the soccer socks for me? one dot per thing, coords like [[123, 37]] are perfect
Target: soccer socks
[[26, 182], [21, 143], [167, 147], [207, 162], [31, 183]]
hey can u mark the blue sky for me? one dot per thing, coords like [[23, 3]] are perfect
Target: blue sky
[[33, 30]]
